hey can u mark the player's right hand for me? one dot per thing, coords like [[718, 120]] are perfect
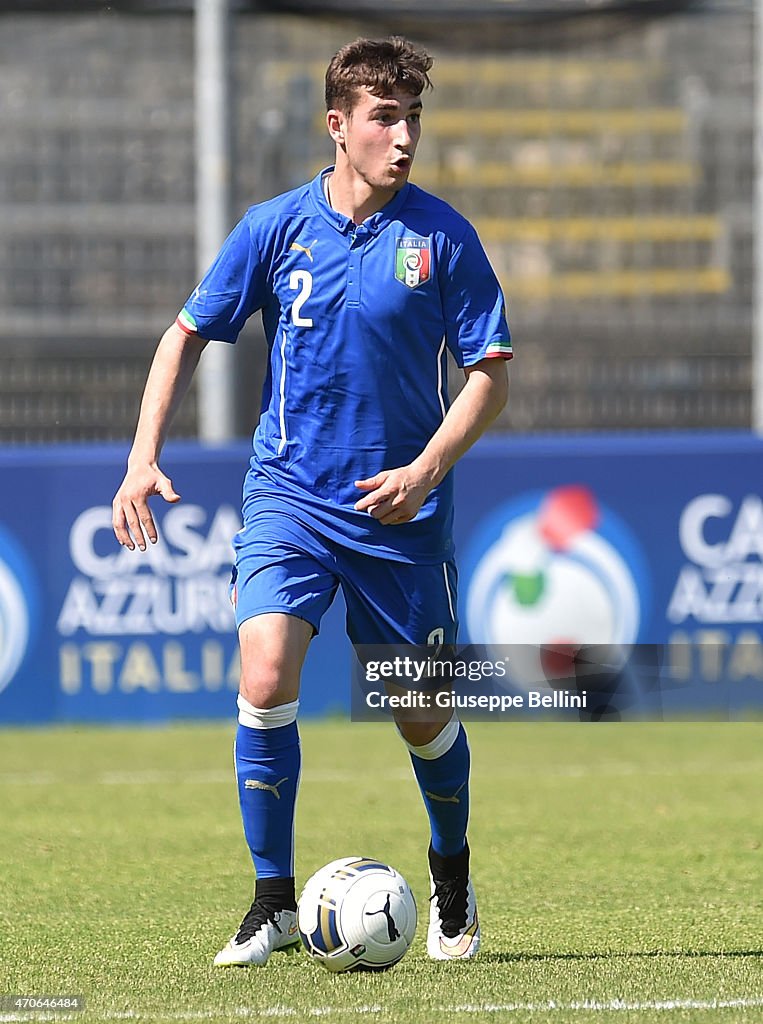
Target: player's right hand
[[131, 516]]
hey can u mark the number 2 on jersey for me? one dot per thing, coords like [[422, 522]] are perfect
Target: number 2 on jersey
[[302, 280]]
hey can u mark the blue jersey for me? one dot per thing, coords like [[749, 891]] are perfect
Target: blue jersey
[[357, 320]]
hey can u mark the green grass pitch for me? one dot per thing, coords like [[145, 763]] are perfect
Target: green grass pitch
[[618, 870]]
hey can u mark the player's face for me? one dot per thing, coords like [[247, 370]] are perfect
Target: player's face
[[380, 136]]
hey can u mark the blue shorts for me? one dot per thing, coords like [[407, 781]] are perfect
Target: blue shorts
[[282, 565]]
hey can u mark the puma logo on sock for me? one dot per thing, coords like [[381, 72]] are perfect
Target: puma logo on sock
[[256, 784], [445, 799]]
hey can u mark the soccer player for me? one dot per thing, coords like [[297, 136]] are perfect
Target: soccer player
[[362, 280]]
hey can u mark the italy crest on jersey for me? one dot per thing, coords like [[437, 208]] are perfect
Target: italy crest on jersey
[[413, 260]]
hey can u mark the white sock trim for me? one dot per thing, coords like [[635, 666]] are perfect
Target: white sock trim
[[266, 718], [440, 745]]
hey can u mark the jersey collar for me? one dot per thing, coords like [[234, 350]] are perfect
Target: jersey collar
[[344, 224]]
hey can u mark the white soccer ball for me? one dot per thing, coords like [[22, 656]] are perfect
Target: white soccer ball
[[356, 914]]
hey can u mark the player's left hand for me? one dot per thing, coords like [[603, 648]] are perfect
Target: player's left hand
[[394, 495]]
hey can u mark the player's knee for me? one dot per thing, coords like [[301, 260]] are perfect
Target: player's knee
[[419, 734], [266, 683], [429, 740]]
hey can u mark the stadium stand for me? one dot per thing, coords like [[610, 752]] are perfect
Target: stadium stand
[[611, 181]]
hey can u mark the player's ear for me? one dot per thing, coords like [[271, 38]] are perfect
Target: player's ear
[[335, 123]]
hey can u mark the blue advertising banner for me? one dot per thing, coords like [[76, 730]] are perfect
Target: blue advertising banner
[[562, 543], [637, 540], [90, 631]]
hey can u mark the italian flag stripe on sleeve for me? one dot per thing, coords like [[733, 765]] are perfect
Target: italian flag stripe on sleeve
[[187, 322], [500, 348]]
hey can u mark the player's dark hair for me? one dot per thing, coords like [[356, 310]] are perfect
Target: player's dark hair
[[383, 66]]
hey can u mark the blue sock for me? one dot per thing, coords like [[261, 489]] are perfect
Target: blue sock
[[442, 772], [268, 761]]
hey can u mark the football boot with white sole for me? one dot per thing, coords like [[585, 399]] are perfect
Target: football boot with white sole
[[454, 929], [262, 932]]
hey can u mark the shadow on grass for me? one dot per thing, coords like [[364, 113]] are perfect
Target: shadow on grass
[[517, 958]]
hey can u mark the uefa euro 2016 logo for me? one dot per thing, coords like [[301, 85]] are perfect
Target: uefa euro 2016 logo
[[553, 570], [15, 622]]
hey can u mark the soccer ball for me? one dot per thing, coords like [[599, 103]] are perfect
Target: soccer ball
[[356, 914]]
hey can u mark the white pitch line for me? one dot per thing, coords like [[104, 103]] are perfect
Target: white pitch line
[[608, 1005], [277, 1012]]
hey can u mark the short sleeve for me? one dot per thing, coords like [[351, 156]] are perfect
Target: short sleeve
[[475, 312], [233, 288]]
